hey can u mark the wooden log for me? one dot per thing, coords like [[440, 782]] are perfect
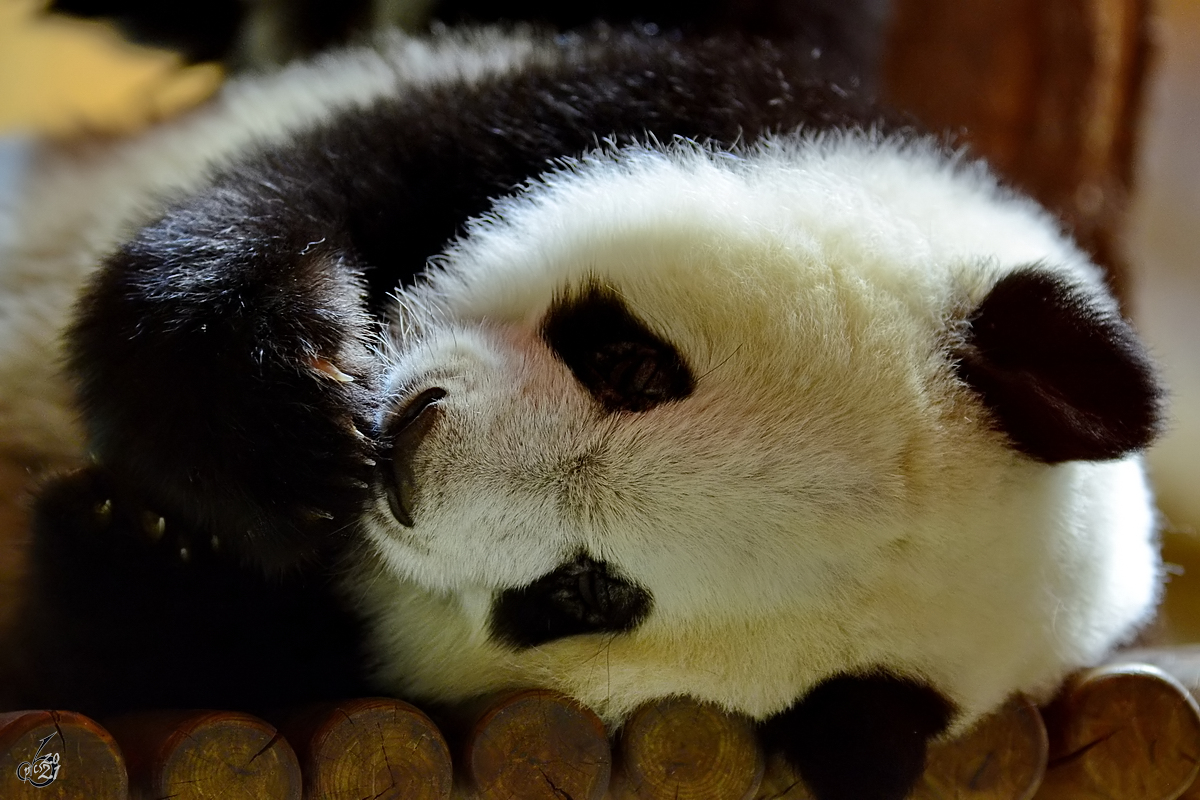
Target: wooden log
[[1002, 758], [197, 755], [373, 747], [1181, 663], [679, 748], [536, 745], [54, 755], [781, 782], [1121, 731]]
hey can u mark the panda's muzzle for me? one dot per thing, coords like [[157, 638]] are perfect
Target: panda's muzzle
[[404, 431]]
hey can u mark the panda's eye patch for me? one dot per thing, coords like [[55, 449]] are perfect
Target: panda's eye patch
[[581, 596], [616, 357]]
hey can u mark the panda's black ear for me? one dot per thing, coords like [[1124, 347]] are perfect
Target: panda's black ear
[[860, 737], [1064, 376]]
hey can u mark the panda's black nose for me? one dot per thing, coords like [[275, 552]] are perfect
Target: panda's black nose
[[404, 431]]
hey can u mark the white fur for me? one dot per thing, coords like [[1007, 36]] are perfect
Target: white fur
[[830, 498]]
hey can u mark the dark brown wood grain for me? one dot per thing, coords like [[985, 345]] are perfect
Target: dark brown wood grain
[[536, 745], [1182, 663], [198, 755], [679, 748], [1003, 757], [781, 782], [1049, 91], [88, 760], [372, 747], [1127, 731]]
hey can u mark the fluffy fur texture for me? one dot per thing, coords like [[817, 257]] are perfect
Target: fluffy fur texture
[[832, 487], [716, 385]]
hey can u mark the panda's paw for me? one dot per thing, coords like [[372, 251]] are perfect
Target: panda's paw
[[859, 736], [225, 369], [277, 474], [128, 607], [85, 519]]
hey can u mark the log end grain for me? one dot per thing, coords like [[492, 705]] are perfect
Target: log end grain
[[537, 744], [679, 748], [781, 781], [1128, 731], [205, 754], [373, 747], [1002, 758], [78, 758]]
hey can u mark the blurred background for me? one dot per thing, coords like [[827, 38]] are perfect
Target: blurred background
[[1163, 247], [68, 78]]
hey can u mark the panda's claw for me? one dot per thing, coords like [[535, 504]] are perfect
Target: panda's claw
[[354, 431], [315, 514], [329, 369], [155, 525]]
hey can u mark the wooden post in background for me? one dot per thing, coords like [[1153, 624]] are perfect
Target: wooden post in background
[[1049, 91], [198, 755]]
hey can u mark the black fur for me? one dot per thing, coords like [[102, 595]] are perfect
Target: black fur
[[194, 347], [853, 28], [613, 354], [1065, 380], [860, 737], [582, 596], [125, 606]]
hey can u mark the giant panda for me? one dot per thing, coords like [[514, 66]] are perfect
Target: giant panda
[[625, 365]]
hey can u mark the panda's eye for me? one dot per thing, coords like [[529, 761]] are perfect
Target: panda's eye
[[617, 358]]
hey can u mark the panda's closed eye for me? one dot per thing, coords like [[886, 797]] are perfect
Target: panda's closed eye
[[617, 358]]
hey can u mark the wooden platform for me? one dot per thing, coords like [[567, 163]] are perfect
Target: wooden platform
[[1128, 730]]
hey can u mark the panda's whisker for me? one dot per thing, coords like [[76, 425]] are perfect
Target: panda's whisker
[[720, 363]]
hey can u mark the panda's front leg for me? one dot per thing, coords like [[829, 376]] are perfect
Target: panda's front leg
[[126, 609], [223, 362]]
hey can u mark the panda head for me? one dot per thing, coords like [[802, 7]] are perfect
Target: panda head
[[826, 417]]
